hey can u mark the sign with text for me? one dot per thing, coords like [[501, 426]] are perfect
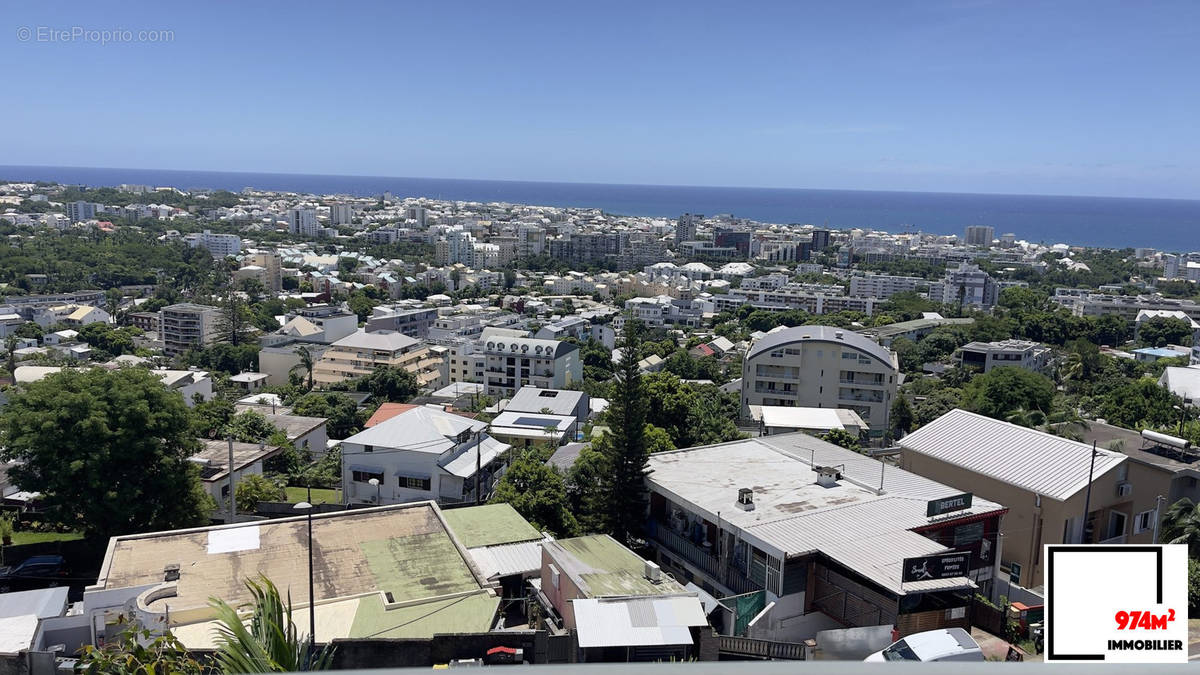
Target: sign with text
[[937, 507], [942, 566]]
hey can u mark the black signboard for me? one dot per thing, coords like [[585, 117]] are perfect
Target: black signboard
[[941, 566], [947, 504]]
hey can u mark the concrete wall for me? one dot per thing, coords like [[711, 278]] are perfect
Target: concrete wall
[[424, 653]]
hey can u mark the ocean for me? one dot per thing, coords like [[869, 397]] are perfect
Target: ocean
[[1166, 224]]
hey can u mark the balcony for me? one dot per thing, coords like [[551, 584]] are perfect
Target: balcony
[[701, 558]]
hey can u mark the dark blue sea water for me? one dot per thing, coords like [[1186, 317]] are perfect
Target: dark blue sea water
[[1168, 224]]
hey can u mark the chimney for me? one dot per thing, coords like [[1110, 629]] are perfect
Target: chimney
[[828, 476], [653, 572], [171, 572], [745, 499]]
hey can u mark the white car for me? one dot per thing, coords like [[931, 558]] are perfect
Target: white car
[[946, 644]]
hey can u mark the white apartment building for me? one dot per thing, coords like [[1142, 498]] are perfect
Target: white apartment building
[[421, 454], [302, 220], [1085, 303], [980, 235], [659, 311], [186, 326], [219, 245], [984, 356], [821, 367], [796, 296], [531, 240], [966, 285], [360, 353], [884, 286], [80, 211], [515, 362], [340, 214]]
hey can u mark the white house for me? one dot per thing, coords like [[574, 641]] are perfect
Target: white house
[[422, 453]]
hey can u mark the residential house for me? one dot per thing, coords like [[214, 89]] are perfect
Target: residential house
[[420, 454], [984, 356], [213, 461]]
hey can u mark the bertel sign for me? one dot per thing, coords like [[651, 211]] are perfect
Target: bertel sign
[[936, 567], [947, 504]]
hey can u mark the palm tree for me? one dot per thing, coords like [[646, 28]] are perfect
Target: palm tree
[[1026, 417], [306, 363], [1181, 525], [10, 346], [269, 641]]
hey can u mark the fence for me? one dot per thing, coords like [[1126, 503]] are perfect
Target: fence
[[990, 619], [762, 649]]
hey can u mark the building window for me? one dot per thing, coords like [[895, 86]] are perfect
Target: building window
[[366, 476], [1116, 525], [1143, 522], [415, 482], [368, 448]]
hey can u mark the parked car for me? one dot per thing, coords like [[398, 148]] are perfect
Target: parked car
[[40, 571], [945, 644]]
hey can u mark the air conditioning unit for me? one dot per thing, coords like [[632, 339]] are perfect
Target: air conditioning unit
[[1124, 489]]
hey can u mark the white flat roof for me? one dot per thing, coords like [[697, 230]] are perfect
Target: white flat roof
[[634, 622], [789, 417]]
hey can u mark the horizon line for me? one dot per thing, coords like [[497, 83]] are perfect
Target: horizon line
[[591, 183]]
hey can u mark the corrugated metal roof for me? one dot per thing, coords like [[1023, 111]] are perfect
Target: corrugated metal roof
[[464, 465], [637, 622], [1043, 463], [524, 557], [421, 429]]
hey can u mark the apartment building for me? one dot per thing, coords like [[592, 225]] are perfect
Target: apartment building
[[414, 323], [303, 221], [271, 265], [884, 286], [984, 356], [361, 352], [821, 367], [217, 244], [966, 285], [659, 311], [812, 298], [80, 211], [980, 235], [1086, 303], [340, 214], [186, 325], [515, 362]]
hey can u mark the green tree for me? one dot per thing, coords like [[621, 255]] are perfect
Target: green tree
[[1162, 331], [537, 491], [255, 488], [211, 418], [1140, 403], [588, 489], [233, 324], [108, 450], [343, 417], [902, 417], [1193, 588], [306, 363], [626, 443], [389, 383], [270, 643], [1181, 525], [657, 440], [842, 438], [250, 426], [1005, 390], [137, 651]]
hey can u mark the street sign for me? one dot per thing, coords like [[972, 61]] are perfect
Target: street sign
[[941, 566], [937, 507]]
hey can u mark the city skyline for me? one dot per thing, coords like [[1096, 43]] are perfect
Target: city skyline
[[949, 97]]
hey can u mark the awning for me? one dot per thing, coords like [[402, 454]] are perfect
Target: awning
[[366, 469], [638, 622], [463, 466]]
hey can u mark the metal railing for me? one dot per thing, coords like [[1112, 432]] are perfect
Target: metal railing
[[762, 649], [681, 546]]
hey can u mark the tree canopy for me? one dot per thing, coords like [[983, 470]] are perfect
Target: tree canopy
[[108, 450]]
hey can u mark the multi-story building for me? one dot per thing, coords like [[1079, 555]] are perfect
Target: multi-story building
[[531, 240], [302, 220], [984, 356], [661, 310], [813, 299], [219, 245], [147, 321], [80, 211], [820, 240], [271, 264], [416, 213], [360, 353], [685, 227], [414, 323], [421, 454], [821, 367], [187, 326], [515, 362], [29, 305], [967, 285], [980, 235], [1086, 303], [729, 238], [822, 531], [884, 286], [340, 214]]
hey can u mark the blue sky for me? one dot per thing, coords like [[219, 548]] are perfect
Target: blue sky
[[1092, 98]]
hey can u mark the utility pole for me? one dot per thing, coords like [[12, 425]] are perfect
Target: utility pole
[[478, 462], [1087, 500], [232, 483], [1158, 502]]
